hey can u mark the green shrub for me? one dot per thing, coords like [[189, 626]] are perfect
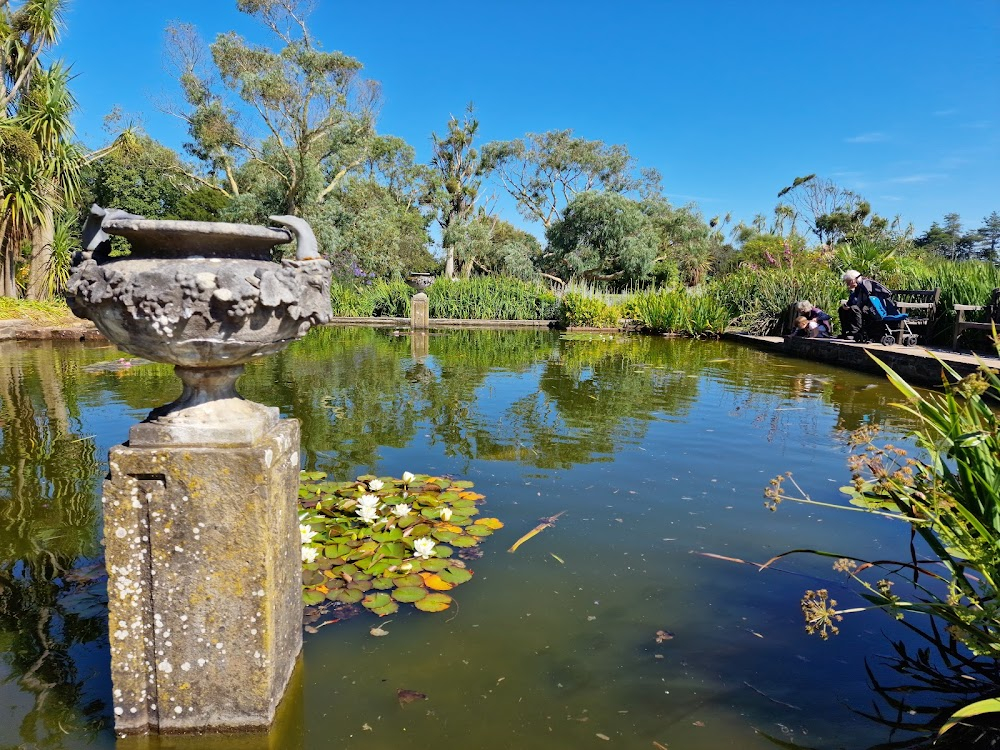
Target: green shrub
[[758, 300], [592, 312]]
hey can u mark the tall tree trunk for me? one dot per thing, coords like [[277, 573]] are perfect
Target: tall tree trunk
[[7, 286], [40, 264], [449, 263]]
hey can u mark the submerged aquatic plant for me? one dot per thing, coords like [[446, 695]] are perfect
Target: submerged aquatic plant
[[381, 541]]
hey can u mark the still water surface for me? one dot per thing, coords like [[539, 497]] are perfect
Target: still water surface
[[656, 450]]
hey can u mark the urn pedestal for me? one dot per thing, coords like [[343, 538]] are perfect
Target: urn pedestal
[[201, 531]]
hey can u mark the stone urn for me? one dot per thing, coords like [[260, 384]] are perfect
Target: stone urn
[[205, 297]]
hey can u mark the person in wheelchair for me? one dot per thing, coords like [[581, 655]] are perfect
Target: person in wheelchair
[[857, 313]]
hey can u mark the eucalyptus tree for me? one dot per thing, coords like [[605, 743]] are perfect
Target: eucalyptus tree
[[454, 182], [543, 172], [602, 236], [309, 113]]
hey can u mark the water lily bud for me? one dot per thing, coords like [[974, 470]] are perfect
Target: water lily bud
[[445, 514], [407, 477]]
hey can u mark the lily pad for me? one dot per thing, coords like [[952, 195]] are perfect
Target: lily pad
[[464, 541], [349, 596], [409, 594], [436, 602], [389, 609], [374, 601], [477, 529], [455, 575], [408, 580]]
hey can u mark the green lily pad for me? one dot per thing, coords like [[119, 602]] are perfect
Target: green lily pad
[[443, 550], [455, 575], [463, 484], [383, 584], [436, 602], [389, 609], [349, 596], [313, 597], [408, 580], [373, 601], [409, 594], [443, 536], [464, 541], [434, 565], [477, 530]]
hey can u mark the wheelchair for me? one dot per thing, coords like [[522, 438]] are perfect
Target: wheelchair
[[885, 324]]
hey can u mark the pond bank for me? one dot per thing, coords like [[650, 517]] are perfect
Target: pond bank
[[22, 329], [917, 364]]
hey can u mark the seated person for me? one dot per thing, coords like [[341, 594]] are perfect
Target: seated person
[[857, 307], [809, 328], [806, 309]]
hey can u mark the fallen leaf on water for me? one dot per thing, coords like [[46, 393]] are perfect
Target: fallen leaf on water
[[409, 696], [698, 723], [663, 635], [591, 618], [602, 736], [379, 630], [658, 746], [366, 728]]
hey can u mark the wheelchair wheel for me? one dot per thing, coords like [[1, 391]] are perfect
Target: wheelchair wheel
[[910, 340], [888, 340]]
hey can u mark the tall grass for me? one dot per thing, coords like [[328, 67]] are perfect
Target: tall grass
[[677, 311], [757, 300], [380, 298], [491, 298], [41, 313], [588, 311]]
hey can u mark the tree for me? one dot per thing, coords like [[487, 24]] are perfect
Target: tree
[[489, 245], [544, 171], [456, 175], [684, 240], [988, 244], [37, 162], [313, 112], [948, 240], [603, 236]]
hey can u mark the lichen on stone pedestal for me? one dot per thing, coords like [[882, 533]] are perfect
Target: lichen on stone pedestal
[[205, 574]]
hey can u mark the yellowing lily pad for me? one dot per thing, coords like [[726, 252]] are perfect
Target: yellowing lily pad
[[490, 523], [433, 603], [478, 529], [436, 582]]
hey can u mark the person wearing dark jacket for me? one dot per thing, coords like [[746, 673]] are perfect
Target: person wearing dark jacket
[[813, 314], [858, 304]]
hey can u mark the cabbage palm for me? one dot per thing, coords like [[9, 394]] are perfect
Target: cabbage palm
[[39, 167]]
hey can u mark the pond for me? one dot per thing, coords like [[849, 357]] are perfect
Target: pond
[[622, 624]]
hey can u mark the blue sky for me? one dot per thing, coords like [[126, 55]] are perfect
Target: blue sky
[[730, 100]]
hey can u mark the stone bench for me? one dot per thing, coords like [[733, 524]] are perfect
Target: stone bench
[[990, 318]]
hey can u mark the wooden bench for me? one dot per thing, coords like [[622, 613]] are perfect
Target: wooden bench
[[991, 317], [919, 304]]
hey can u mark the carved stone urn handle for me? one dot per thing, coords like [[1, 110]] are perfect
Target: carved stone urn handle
[[306, 247]]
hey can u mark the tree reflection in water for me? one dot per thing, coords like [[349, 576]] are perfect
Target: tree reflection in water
[[53, 614]]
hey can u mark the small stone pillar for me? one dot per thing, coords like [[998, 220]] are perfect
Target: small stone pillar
[[202, 546], [419, 345], [419, 312]]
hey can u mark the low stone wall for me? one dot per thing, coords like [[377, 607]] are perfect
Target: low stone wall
[[916, 364]]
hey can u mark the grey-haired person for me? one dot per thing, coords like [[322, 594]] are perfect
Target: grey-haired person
[[857, 307]]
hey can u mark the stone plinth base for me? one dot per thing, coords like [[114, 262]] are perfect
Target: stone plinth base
[[204, 580]]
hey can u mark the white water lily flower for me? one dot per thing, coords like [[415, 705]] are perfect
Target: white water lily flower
[[309, 554], [445, 514], [375, 485], [401, 510], [307, 533], [367, 513], [368, 501], [423, 547], [408, 477]]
